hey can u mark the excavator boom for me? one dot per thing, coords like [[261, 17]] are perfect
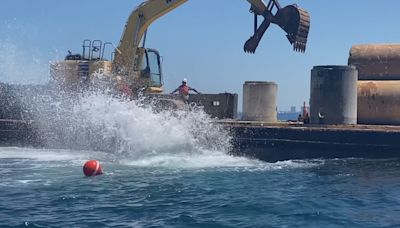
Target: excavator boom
[[126, 55]]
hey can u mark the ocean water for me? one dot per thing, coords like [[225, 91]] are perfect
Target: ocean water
[[172, 169], [46, 188]]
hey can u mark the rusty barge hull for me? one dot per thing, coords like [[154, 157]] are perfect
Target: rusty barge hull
[[278, 142], [272, 142], [18, 133]]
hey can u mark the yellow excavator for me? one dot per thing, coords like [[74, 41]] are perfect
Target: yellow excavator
[[139, 67]]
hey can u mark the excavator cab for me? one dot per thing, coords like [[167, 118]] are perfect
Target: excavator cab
[[293, 20], [150, 71], [151, 67]]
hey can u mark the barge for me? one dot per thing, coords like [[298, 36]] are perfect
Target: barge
[[273, 142]]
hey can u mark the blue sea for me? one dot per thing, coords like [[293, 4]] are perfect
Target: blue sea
[[47, 188]]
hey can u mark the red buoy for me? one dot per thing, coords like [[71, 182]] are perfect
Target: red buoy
[[92, 168]]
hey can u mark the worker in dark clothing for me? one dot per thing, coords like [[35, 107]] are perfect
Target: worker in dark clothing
[[184, 90]]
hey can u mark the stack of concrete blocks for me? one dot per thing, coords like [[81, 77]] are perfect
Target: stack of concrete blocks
[[378, 83]]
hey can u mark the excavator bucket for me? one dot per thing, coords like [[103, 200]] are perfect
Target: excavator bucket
[[296, 23]]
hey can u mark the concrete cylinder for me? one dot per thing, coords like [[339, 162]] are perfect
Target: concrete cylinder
[[333, 97], [376, 61], [259, 101], [379, 102]]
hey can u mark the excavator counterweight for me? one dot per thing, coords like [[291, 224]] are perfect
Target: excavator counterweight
[[293, 20]]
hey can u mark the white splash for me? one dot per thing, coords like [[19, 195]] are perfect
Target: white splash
[[21, 63], [132, 133], [19, 67], [143, 137]]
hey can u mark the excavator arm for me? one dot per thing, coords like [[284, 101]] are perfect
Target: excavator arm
[[128, 55], [293, 20]]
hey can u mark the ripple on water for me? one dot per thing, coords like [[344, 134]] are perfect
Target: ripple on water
[[349, 192]]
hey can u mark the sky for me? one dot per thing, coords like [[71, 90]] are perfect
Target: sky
[[202, 40]]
